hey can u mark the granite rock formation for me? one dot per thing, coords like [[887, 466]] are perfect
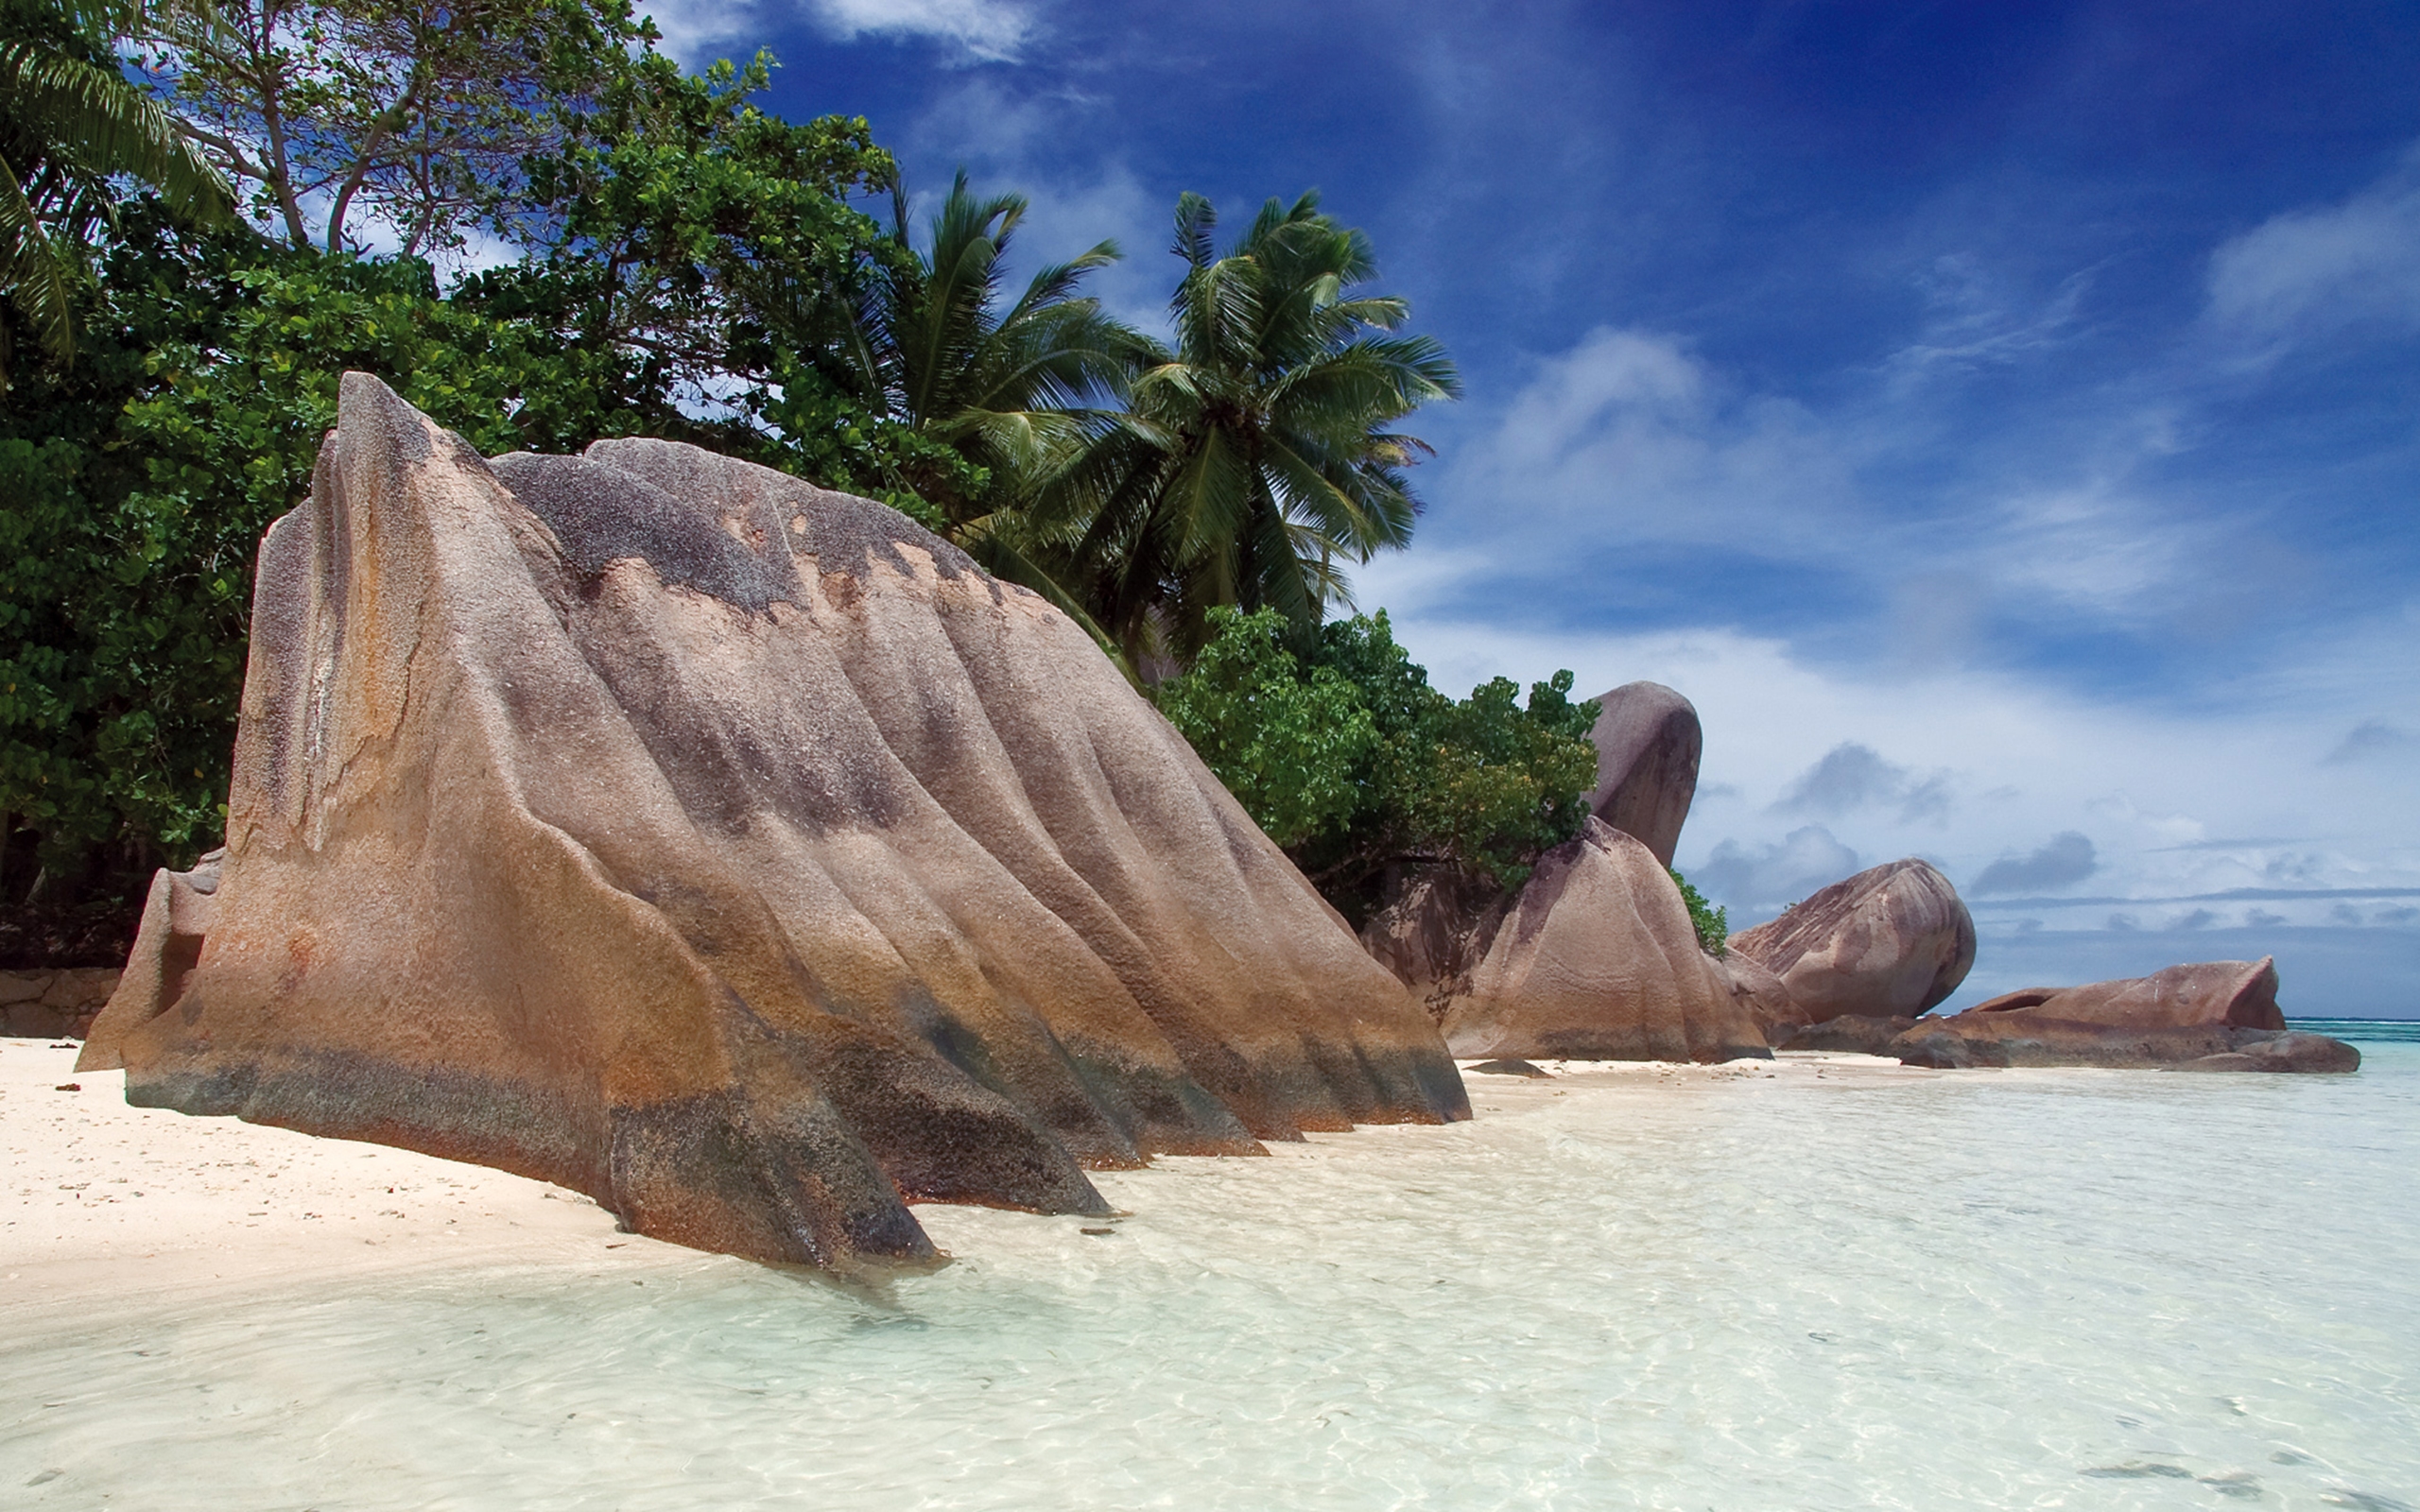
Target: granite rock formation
[[1763, 996], [1595, 958], [2210, 1016], [48, 1004], [1648, 745], [734, 852], [1889, 942]]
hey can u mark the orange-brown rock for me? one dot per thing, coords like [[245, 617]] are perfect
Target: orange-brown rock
[[2209, 1015], [1649, 743], [1889, 942], [2241, 994], [1595, 959], [735, 852]]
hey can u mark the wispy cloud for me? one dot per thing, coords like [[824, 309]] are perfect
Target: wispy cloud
[[1760, 876], [1851, 776], [2372, 740], [2064, 860], [969, 31], [2316, 271]]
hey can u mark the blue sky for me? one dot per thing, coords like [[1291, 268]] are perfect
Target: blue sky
[[2002, 420]]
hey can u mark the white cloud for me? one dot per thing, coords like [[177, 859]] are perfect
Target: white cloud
[[978, 31], [2310, 271], [1628, 436], [694, 30], [1770, 877], [1630, 440], [993, 31]]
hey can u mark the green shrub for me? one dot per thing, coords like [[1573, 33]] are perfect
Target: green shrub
[[1712, 924]]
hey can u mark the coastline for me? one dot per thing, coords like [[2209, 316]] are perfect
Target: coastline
[[109, 1201]]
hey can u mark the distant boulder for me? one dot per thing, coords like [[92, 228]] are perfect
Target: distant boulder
[[1595, 959], [2209, 1015], [1889, 942], [1647, 745], [2239, 995]]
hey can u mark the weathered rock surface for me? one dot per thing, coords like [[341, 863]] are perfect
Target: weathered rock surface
[[1889, 942], [735, 852], [1850, 1031], [2209, 1015], [1763, 996], [1648, 745], [48, 1004], [1595, 959], [2242, 994], [1435, 932]]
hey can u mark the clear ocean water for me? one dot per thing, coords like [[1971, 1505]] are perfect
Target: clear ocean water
[[2042, 1289]]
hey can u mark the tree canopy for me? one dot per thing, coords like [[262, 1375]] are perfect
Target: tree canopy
[[1352, 762], [541, 232]]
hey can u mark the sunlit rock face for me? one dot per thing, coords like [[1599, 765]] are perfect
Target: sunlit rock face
[[1595, 958], [1647, 746], [1891, 941], [2207, 1016], [736, 852]]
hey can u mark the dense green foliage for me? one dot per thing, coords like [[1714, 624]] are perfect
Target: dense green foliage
[[1353, 763], [141, 474], [1713, 924], [639, 249]]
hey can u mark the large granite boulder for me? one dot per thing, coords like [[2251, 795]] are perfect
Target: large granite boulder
[[735, 852], [1647, 745], [1594, 959], [2209, 1015], [1889, 942]]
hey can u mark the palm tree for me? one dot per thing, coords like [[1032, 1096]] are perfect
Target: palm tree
[[1009, 391], [1258, 458], [69, 124]]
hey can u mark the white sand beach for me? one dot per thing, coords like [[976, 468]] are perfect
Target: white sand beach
[[104, 1200]]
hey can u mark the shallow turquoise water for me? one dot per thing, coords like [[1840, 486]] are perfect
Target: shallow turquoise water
[[2070, 1289]]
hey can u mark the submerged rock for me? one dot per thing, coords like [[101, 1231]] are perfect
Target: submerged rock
[[1596, 960], [1648, 745], [2209, 1015], [1889, 942], [735, 852]]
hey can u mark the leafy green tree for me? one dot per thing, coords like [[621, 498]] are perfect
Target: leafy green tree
[[681, 242], [142, 475], [69, 124], [401, 122], [1712, 924], [1259, 457], [1397, 774], [1291, 744]]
